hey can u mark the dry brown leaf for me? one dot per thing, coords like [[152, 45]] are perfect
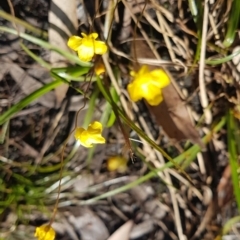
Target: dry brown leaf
[[172, 113], [142, 229], [173, 116], [123, 232], [63, 23], [87, 224], [28, 84]]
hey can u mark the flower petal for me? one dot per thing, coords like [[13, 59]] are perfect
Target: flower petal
[[96, 138], [95, 127], [84, 34], [151, 93], [134, 93], [45, 232], [85, 53], [74, 42], [155, 100], [78, 133], [94, 132], [100, 47], [93, 35], [160, 76], [143, 70], [85, 139]]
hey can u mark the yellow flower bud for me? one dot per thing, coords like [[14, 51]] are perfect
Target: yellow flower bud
[[99, 68], [117, 163]]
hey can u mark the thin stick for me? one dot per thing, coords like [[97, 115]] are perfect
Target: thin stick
[[13, 13]]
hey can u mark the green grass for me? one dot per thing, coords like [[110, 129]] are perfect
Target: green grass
[[24, 187], [233, 148]]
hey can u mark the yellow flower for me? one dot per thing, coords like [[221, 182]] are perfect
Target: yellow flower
[[90, 136], [148, 85], [87, 46], [45, 232], [117, 163]]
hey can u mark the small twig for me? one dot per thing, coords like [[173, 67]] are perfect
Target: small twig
[[13, 14], [165, 36]]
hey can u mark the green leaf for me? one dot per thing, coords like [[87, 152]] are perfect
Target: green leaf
[[232, 23], [233, 156], [27, 100], [46, 45]]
